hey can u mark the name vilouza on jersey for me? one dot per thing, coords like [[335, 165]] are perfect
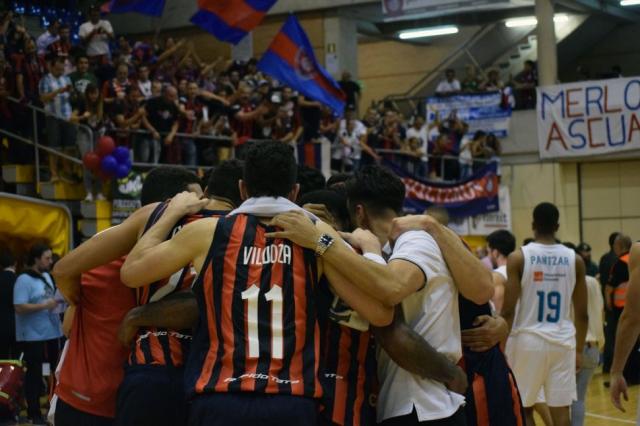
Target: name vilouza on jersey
[[275, 253], [550, 260]]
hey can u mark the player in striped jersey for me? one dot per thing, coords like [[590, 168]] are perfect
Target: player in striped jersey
[[255, 354], [154, 371]]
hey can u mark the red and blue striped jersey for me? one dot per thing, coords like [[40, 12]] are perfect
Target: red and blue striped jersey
[[160, 346], [258, 330]]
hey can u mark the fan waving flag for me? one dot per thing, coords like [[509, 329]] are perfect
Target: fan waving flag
[[290, 60], [145, 7], [230, 20]]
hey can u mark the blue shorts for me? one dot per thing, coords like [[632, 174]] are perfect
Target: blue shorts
[[250, 409], [151, 395]]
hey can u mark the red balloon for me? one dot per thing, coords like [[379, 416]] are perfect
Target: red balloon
[[91, 161], [105, 146]]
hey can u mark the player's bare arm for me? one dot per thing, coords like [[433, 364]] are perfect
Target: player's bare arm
[[153, 257], [413, 353], [628, 330], [102, 248], [581, 314], [512, 287], [471, 277], [383, 283], [177, 311]]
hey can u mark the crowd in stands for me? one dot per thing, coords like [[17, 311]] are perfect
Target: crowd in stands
[[167, 105]]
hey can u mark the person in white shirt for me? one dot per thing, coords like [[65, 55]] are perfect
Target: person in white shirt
[[418, 131], [416, 280], [351, 141], [96, 34], [591, 353], [450, 85], [544, 348], [48, 37], [501, 244], [144, 84]]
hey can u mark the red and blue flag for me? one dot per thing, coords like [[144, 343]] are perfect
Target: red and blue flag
[[290, 60], [145, 7], [230, 20]]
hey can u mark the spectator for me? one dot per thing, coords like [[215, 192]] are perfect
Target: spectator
[[467, 149], [526, 82], [143, 82], [584, 250], [191, 112], [450, 85], [127, 116], [28, 68], [351, 89], [607, 260], [8, 349], [286, 128], [491, 153], [96, 34], [243, 117], [116, 88], [36, 326], [62, 47], [82, 77], [89, 110], [161, 120], [55, 94], [614, 296], [471, 82], [418, 132], [493, 82], [311, 115], [48, 37]]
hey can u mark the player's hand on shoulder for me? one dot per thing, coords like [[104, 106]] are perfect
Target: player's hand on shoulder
[[186, 203], [363, 240], [296, 227], [403, 224], [321, 211], [489, 332]]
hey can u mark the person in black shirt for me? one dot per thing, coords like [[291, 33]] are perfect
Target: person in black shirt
[[161, 120], [607, 260], [584, 250], [351, 89], [614, 294], [8, 348]]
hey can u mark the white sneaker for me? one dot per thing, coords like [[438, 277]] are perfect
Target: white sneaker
[[100, 197], [89, 198]]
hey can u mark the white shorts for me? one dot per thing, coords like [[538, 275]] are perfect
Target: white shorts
[[543, 369]]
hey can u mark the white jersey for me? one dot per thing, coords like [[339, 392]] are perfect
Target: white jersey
[[432, 312], [502, 270], [548, 280]]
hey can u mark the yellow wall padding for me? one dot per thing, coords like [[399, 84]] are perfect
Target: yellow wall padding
[[24, 222]]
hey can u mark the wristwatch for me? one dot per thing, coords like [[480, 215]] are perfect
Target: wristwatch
[[323, 244]]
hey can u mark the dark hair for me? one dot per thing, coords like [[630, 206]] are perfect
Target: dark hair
[[270, 169], [57, 59], [338, 180], [334, 201], [6, 258], [377, 188], [35, 252], [503, 241], [612, 238], [163, 183], [223, 181], [527, 241], [545, 218], [479, 134], [309, 179]]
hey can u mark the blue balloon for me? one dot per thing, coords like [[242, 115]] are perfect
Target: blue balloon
[[121, 154], [109, 165], [123, 171]]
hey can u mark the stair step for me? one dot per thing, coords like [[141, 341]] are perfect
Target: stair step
[[99, 209], [62, 191], [18, 173], [524, 47], [90, 227], [514, 57]]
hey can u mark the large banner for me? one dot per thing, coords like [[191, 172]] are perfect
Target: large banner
[[589, 118], [393, 8], [481, 111], [484, 224], [474, 196]]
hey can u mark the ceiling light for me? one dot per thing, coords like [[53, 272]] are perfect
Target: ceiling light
[[531, 21], [428, 32], [629, 2]]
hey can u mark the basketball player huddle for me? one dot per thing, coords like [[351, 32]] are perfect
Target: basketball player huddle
[[237, 306]]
